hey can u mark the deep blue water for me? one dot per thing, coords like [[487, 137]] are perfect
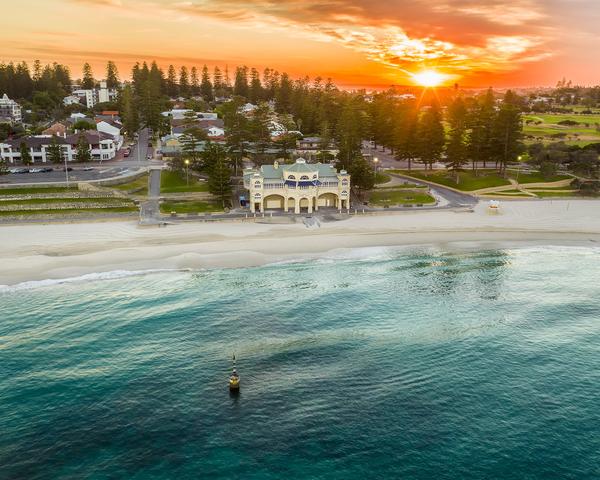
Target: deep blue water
[[412, 364]]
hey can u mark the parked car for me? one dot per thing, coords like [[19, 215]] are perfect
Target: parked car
[[47, 169], [36, 170], [19, 170], [68, 169], [126, 153], [88, 169]]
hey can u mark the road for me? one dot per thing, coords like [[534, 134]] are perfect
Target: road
[[96, 170]]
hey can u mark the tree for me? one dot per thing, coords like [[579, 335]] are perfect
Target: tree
[[25, 155], [83, 150], [240, 87], [507, 132], [283, 95], [237, 129], [190, 143], [206, 88], [3, 167], [129, 114], [456, 147], [481, 120], [219, 180], [55, 154], [87, 81], [171, 84], [218, 82], [112, 75], [260, 129], [363, 176], [405, 133], [256, 90], [194, 81], [351, 127], [184, 82], [83, 125], [430, 136]]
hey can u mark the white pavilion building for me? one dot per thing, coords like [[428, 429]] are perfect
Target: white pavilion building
[[297, 187]]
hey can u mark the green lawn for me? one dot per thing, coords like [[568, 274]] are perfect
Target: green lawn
[[382, 178], [138, 186], [36, 190], [534, 177], [574, 193], [390, 197], [49, 201], [550, 130], [175, 182], [190, 207], [467, 180], [69, 211]]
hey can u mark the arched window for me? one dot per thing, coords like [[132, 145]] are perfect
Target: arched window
[[345, 181], [344, 193], [315, 176], [304, 177], [291, 177], [257, 184]]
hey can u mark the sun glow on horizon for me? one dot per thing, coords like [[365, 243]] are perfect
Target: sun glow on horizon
[[429, 78]]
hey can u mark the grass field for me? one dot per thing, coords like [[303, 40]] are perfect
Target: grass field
[[174, 182], [190, 207], [36, 190], [50, 201], [467, 180], [391, 197], [382, 178], [546, 128], [535, 177], [70, 211], [139, 186]]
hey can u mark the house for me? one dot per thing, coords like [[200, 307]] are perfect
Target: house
[[92, 96], [312, 146], [247, 108], [101, 145], [10, 110], [300, 186], [178, 113], [71, 100], [215, 133], [112, 128], [58, 128]]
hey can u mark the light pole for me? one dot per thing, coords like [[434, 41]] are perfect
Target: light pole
[[375, 162], [187, 171], [66, 170]]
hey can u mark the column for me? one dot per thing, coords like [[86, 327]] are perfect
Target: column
[[285, 204], [296, 205], [310, 205]]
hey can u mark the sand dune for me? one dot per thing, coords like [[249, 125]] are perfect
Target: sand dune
[[54, 251]]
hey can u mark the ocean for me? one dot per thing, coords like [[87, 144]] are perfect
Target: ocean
[[412, 363]]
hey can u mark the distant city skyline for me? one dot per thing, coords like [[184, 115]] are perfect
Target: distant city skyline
[[358, 43]]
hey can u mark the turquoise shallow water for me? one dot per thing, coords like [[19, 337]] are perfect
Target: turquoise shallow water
[[377, 364]]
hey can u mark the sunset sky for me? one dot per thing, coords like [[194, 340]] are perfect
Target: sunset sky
[[370, 43]]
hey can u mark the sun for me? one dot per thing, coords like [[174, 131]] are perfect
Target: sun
[[429, 78]]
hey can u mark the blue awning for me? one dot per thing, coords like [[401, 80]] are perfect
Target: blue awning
[[310, 183]]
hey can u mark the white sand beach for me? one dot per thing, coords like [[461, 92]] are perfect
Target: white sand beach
[[32, 252]]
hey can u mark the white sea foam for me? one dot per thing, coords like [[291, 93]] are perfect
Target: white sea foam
[[89, 277]]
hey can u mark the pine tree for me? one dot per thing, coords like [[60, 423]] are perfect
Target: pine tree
[[405, 133], [430, 136], [507, 132], [55, 154], [194, 81], [259, 127], [3, 167], [206, 88], [481, 123], [218, 82], [283, 95], [363, 176], [129, 113], [190, 143], [456, 148], [256, 90], [240, 86], [219, 181], [25, 155], [87, 82], [83, 150], [172, 88], [112, 75], [184, 82]]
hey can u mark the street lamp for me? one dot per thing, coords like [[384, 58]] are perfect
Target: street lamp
[[187, 171]]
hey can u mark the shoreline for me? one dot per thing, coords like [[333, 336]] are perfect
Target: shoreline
[[36, 252]]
